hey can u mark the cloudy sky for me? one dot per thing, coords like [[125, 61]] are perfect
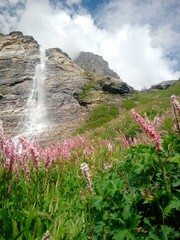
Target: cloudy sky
[[139, 38]]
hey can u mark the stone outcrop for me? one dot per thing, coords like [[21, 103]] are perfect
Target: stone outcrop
[[95, 63], [116, 86], [163, 85], [111, 82], [19, 56]]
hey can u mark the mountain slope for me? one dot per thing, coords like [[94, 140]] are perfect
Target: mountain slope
[[64, 86]]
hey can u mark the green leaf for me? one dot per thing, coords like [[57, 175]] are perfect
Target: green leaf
[[175, 159], [99, 227], [174, 204], [97, 202], [176, 182], [15, 228], [168, 232], [153, 236], [29, 219], [124, 234], [18, 235], [127, 213]]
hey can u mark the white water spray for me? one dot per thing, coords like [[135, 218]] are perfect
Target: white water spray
[[35, 109]]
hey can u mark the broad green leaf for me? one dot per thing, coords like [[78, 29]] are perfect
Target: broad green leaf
[[97, 202], [175, 159], [124, 234], [174, 204], [168, 233]]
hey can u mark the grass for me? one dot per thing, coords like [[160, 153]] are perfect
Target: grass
[[135, 188], [158, 99], [99, 117], [149, 104], [91, 85]]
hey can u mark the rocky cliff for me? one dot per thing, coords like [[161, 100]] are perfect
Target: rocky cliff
[[111, 82], [95, 63], [19, 56], [63, 85]]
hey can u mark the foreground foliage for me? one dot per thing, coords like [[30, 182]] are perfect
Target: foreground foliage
[[121, 188]]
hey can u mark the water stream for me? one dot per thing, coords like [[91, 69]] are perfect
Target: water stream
[[35, 112], [35, 116]]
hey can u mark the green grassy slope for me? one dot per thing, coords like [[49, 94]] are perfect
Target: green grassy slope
[[150, 103]]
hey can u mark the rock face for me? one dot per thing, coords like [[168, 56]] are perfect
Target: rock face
[[63, 81], [19, 56], [163, 85], [111, 81], [95, 63]]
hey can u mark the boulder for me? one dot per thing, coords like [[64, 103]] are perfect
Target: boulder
[[116, 86]]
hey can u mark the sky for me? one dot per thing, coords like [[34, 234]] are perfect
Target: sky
[[140, 39]]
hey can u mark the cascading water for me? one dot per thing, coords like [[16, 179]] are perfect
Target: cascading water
[[35, 109], [35, 116]]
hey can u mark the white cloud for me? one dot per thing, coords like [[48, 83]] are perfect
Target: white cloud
[[73, 2], [13, 1], [162, 16], [131, 54], [135, 50]]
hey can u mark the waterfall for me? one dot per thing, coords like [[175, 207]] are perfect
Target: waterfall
[[35, 109]]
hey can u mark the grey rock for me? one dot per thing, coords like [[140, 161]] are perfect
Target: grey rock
[[64, 82], [163, 85], [19, 56], [95, 63], [116, 86], [121, 88], [16, 33]]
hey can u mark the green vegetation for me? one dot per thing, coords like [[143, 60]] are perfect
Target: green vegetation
[[156, 99], [2, 91], [149, 104], [91, 85], [139, 199], [94, 84], [110, 183], [100, 116]]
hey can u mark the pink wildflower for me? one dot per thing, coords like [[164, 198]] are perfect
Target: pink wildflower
[[156, 122], [16, 171], [124, 139], [175, 103], [2, 138], [86, 174], [107, 166], [46, 236], [148, 129], [35, 156], [24, 167]]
